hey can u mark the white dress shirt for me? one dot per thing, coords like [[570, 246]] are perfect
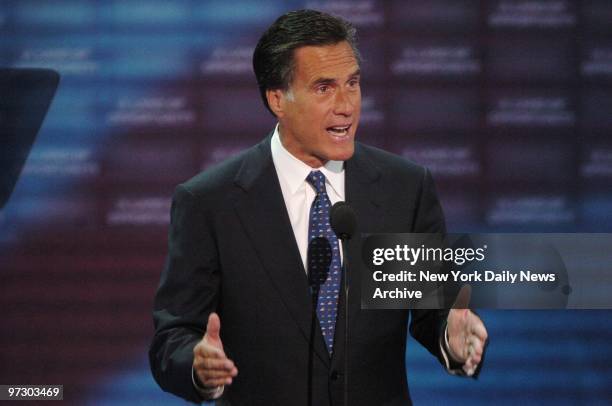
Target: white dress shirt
[[298, 193]]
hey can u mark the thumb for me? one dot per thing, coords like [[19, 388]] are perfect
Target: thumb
[[213, 327], [463, 298]]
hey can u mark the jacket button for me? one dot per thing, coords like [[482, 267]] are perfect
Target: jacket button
[[334, 376]]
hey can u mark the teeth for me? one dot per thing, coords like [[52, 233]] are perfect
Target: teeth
[[339, 130]]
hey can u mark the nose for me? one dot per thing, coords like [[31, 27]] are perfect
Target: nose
[[344, 103]]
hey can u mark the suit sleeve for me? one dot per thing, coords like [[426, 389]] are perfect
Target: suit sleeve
[[188, 292], [428, 326]]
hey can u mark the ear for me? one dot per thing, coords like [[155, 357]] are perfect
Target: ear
[[276, 101]]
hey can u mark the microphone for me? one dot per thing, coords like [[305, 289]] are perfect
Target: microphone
[[343, 221], [319, 259]]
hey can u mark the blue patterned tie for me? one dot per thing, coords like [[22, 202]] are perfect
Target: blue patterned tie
[[324, 264]]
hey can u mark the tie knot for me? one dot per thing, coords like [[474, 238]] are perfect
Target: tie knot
[[317, 180]]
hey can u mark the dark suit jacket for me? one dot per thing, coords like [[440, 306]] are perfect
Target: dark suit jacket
[[232, 250]]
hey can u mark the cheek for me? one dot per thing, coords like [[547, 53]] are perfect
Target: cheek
[[312, 115], [315, 116]]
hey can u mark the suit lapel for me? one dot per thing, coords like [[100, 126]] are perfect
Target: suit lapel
[[264, 217], [362, 191]]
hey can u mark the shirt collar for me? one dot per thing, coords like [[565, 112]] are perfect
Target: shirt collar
[[295, 171]]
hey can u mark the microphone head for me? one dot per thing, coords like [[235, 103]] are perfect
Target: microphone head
[[343, 220]]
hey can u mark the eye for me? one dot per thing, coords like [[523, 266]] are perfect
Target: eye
[[323, 89], [353, 83]]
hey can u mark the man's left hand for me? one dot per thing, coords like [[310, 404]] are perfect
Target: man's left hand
[[467, 334]]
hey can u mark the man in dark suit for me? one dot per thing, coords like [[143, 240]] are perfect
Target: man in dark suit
[[241, 248]]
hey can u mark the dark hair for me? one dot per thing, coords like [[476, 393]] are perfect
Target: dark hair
[[273, 60]]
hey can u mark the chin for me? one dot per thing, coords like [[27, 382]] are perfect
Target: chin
[[343, 155]]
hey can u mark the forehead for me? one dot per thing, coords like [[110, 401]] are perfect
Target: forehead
[[326, 61]]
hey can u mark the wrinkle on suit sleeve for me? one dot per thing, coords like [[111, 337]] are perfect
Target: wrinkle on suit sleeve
[[427, 326], [187, 294]]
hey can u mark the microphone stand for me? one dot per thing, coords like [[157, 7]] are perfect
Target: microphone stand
[[313, 324], [316, 277], [343, 221], [346, 286]]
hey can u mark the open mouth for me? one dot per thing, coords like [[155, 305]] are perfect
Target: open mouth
[[339, 130]]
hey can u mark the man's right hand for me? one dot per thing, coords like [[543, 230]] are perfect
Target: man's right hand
[[210, 363]]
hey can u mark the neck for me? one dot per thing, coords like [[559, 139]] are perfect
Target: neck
[[310, 160]]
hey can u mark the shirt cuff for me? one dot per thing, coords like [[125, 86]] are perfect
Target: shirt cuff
[[206, 393]]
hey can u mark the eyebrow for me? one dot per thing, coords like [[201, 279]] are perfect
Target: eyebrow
[[329, 81]]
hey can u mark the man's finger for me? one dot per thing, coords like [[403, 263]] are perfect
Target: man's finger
[[213, 327], [475, 354], [217, 364], [208, 351], [463, 298], [469, 368], [476, 343], [214, 382], [477, 327], [215, 374], [203, 364]]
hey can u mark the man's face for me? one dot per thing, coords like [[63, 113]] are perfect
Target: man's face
[[319, 115]]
